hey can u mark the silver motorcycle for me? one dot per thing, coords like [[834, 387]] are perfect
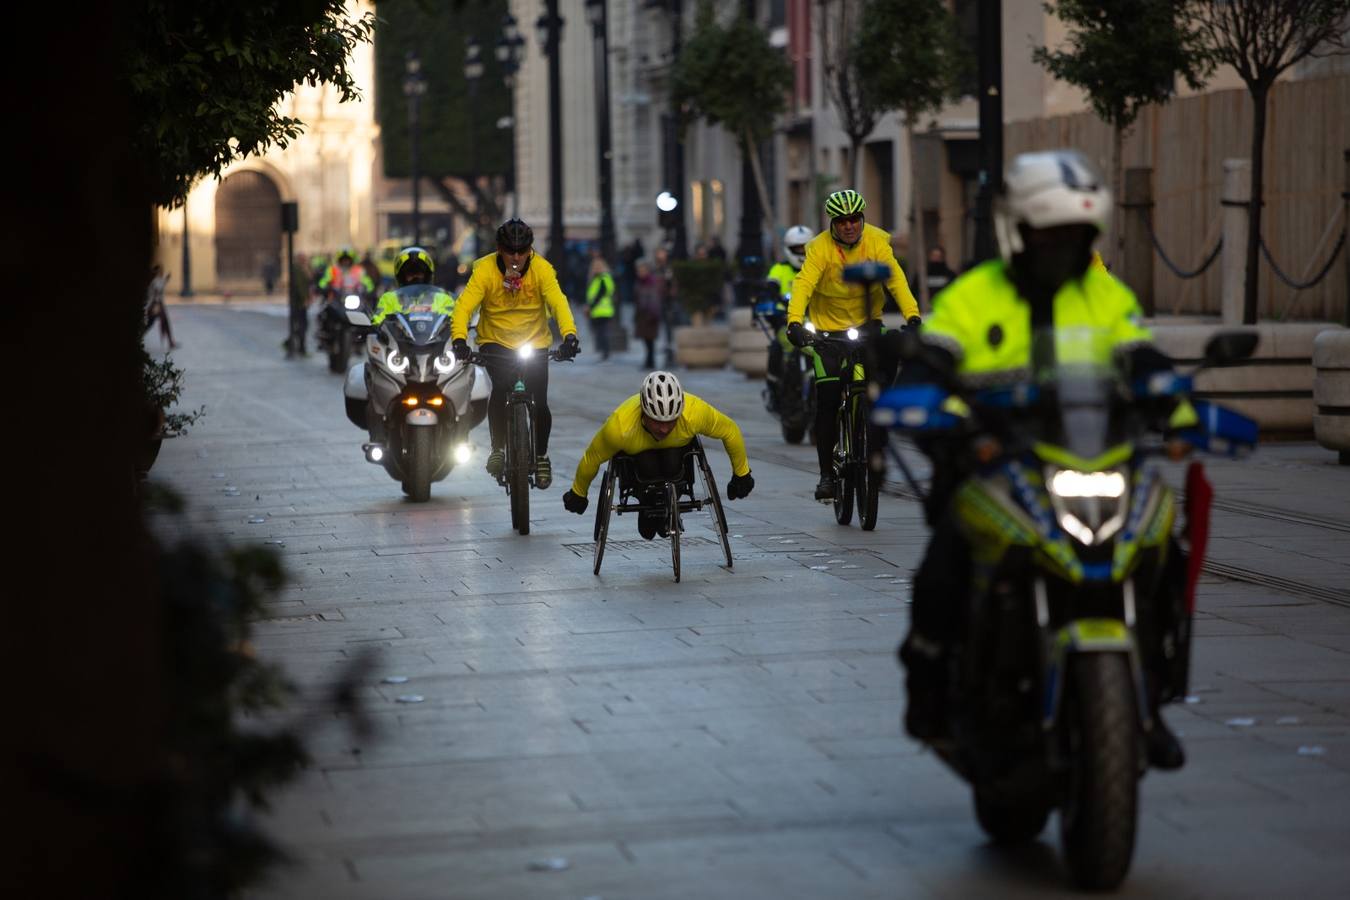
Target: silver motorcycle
[[415, 399]]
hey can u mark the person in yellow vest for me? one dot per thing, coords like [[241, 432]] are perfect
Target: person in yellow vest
[[517, 291], [662, 415], [1053, 207], [600, 304], [837, 306]]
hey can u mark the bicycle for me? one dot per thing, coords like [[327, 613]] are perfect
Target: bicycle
[[671, 472], [519, 469], [855, 476]]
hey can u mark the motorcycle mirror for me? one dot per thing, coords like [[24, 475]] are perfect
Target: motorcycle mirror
[[1230, 346], [358, 318]]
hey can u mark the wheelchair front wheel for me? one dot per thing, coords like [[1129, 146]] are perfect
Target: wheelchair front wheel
[[604, 506], [719, 513]]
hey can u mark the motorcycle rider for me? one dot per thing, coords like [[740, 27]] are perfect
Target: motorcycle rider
[[413, 265], [785, 272], [1053, 207], [518, 291], [660, 416], [837, 306], [346, 275]]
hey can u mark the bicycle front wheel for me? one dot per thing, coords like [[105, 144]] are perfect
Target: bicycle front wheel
[[844, 470], [519, 461]]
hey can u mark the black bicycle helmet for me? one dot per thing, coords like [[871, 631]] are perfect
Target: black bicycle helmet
[[515, 236]]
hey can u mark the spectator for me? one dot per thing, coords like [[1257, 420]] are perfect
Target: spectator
[[154, 305], [669, 300], [649, 308], [600, 303], [372, 271], [271, 271], [939, 273], [715, 250]]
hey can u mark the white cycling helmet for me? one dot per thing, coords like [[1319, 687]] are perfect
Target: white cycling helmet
[[662, 397], [1042, 190], [794, 244]]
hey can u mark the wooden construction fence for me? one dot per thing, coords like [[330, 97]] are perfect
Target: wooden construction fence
[[1185, 143]]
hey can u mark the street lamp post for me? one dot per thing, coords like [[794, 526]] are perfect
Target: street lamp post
[[989, 42], [750, 241], [414, 86], [597, 14], [671, 141], [187, 257], [473, 74], [510, 48], [550, 37]]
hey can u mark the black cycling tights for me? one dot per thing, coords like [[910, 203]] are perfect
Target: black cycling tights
[[501, 364], [829, 394]]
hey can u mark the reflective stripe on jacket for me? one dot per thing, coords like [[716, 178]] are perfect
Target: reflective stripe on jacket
[[441, 304], [600, 296]]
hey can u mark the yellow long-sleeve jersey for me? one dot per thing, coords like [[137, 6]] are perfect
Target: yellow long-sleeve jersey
[[835, 303], [623, 433], [512, 318]]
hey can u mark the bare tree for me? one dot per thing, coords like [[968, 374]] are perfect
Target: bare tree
[[1261, 39], [845, 82]]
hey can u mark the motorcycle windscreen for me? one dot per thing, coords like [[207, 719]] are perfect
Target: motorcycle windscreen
[[1075, 371]]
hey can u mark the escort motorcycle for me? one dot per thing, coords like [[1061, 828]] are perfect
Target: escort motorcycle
[[416, 400], [1081, 596], [335, 336], [790, 397]]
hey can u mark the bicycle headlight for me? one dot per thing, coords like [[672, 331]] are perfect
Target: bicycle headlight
[[811, 327], [525, 352], [1090, 506], [852, 334], [397, 362], [445, 364]]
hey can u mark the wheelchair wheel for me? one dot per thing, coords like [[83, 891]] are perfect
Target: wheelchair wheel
[[673, 505], [604, 505], [719, 514]]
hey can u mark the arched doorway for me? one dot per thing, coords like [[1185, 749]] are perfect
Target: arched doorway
[[248, 231]]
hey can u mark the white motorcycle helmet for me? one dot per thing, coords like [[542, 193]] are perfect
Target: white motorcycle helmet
[[1045, 189], [662, 397], [794, 244]]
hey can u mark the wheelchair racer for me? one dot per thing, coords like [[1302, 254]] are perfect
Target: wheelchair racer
[[660, 416]]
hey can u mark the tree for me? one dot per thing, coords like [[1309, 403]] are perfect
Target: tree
[[462, 151], [1261, 39], [847, 81], [916, 62], [205, 79], [729, 75], [1124, 54]]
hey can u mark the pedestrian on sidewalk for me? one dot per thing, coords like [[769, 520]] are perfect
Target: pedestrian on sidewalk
[[155, 310], [661, 270], [600, 304], [648, 306], [298, 295]]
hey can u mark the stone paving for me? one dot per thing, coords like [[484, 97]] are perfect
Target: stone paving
[[736, 735]]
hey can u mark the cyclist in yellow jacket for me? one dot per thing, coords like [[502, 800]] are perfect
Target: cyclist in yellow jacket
[[837, 306], [518, 291], [660, 416]]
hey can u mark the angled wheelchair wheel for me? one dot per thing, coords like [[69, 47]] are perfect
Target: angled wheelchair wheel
[[719, 514], [673, 505], [604, 506]]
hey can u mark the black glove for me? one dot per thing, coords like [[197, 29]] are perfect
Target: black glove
[[796, 334], [574, 502], [569, 347], [872, 330], [460, 348], [913, 322], [740, 486]]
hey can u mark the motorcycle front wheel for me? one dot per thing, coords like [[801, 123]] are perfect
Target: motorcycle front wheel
[[340, 351], [421, 460], [1101, 806]]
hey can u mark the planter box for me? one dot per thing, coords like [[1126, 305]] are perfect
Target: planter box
[[702, 346], [1331, 391]]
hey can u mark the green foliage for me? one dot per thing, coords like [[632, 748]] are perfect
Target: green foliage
[[729, 75], [1125, 54], [163, 384], [205, 78], [698, 283], [458, 133], [913, 54]]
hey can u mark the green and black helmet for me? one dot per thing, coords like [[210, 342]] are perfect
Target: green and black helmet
[[410, 262], [844, 203]]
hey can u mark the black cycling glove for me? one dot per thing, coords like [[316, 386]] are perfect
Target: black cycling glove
[[740, 486], [574, 502], [913, 322], [460, 348], [796, 334], [569, 347]]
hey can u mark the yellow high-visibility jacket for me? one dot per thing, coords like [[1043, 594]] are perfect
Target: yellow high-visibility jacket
[[512, 318], [836, 304], [623, 433]]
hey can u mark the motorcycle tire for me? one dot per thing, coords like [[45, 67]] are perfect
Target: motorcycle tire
[[1011, 822], [1101, 805], [421, 460], [793, 434], [519, 463], [341, 352]]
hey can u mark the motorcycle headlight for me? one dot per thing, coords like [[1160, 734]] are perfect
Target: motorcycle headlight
[[397, 362], [1090, 506], [352, 301], [445, 364]]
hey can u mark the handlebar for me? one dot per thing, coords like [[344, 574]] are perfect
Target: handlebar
[[478, 359]]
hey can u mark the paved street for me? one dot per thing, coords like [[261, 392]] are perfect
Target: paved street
[[736, 735]]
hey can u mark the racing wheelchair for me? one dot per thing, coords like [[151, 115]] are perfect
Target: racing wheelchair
[[660, 482]]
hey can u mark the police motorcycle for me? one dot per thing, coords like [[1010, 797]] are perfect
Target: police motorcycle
[[415, 399], [335, 336], [790, 397], [1070, 613]]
